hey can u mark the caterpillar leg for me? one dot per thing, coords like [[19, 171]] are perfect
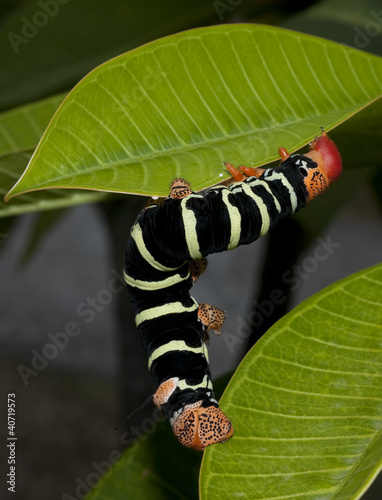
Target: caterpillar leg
[[244, 172], [197, 267], [250, 171], [153, 201], [237, 176], [180, 188], [211, 317], [283, 154], [164, 391]]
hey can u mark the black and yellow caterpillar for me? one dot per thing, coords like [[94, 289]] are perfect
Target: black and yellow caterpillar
[[166, 254]]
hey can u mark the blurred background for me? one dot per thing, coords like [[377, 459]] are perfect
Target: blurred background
[[63, 267]]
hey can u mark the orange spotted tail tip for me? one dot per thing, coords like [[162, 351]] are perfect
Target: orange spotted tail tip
[[197, 427]]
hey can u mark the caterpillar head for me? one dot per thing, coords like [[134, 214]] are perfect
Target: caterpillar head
[[325, 154], [197, 427]]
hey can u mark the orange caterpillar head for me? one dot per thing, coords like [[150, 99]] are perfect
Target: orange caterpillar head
[[197, 427], [324, 152]]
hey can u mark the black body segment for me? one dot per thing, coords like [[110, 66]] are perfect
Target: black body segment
[[165, 237]]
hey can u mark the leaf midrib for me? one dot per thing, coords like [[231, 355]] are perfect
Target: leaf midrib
[[211, 142]]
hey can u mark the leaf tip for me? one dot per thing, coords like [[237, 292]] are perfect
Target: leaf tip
[[12, 192]]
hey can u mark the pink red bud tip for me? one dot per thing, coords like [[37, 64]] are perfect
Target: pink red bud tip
[[331, 157]]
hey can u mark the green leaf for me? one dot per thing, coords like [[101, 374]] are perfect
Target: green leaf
[[20, 131], [306, 402], [351, 22], [22, 127], [12, 166], [183, 104], [155, 466]]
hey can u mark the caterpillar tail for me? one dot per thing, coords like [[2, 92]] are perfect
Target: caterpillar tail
[[195, 425]]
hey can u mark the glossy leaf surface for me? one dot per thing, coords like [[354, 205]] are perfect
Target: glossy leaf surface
[[20, 131], [306, 402], [181, 105]]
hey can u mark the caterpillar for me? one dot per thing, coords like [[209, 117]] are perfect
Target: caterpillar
[[167, 252]]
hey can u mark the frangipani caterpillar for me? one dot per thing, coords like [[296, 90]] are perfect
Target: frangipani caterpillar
[[167, 252]]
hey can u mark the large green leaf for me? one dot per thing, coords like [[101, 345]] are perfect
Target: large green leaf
[[306, 402], [183, 104]]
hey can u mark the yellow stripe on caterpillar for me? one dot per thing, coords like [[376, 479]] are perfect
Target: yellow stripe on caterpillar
[[204, 384], [171, 308], [235, 220], [155, 285], [136, 234], [278, 175], [176, 345], [164, 391], [189, 222], [259, 182], [265, 219]]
